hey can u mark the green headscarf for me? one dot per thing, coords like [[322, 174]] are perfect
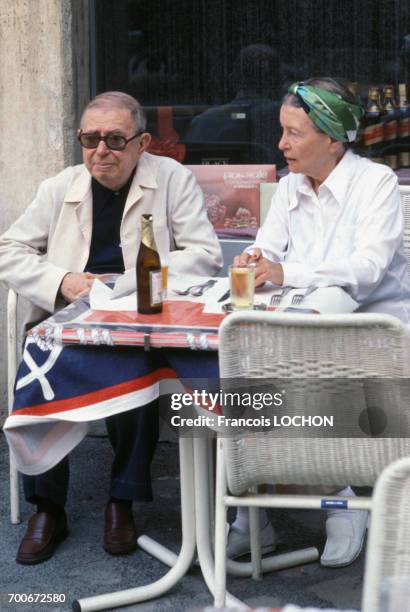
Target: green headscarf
[[332, 114]]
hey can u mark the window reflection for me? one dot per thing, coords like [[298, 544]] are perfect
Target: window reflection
[[211, 72]]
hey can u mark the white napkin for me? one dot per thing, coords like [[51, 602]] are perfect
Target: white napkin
[[326, 300], [125, 284], [211, 294], [104, 298]]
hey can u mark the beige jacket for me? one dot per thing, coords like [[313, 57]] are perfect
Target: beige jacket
[[53, 235]]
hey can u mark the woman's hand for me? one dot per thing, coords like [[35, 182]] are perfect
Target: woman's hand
[[244, 259], [265, 270]]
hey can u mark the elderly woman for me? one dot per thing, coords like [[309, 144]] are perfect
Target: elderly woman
[[335, 220]]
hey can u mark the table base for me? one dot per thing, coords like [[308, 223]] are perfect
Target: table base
[[196, 522]]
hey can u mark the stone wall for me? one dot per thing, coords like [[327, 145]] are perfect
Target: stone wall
[[44, 84]]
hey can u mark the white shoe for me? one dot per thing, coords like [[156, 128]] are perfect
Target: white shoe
[[240, 544], [345, 531]]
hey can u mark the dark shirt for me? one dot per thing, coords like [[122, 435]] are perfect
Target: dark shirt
[[108, 208]]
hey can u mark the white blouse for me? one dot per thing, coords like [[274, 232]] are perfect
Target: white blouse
[[349, 235]]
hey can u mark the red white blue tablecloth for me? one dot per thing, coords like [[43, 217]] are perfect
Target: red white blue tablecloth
[[81, 365]]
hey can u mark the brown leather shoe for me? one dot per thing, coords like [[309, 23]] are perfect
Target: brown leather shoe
[[44, 533], [120, 535]]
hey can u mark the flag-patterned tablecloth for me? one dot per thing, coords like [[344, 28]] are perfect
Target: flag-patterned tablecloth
[[181, 324], [81, 365]]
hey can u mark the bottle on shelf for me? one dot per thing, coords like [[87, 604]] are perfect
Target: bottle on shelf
[[148, 270], [404, 128], [372, 135], [390, 128]]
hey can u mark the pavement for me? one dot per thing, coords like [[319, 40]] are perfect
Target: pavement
[[81, 568]]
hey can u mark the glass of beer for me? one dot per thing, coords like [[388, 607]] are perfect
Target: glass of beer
[[162, 242], [164, 271], [242, 286]]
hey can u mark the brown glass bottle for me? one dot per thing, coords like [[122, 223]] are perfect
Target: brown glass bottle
[[373, 127], [148, 269], [390, 128]]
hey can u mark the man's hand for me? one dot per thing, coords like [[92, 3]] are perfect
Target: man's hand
[[265, 270], [76, 284]]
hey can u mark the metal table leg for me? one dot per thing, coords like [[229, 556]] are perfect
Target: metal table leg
[[203, 521], [184, 559], [196, 530]]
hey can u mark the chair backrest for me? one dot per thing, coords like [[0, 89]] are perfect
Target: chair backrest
[[265, 197], [301, 354], [405, 201], [234, 246], [388, 546], [230, 248]]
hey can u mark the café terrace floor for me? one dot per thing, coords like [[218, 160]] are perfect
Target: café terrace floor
[[81, 567]]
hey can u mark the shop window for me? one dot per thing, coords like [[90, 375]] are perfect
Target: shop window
[[211, 73]]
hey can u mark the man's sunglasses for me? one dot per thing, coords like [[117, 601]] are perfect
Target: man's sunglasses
[[115, 142]]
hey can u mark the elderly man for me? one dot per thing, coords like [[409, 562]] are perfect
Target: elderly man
[[83, 222], [335, 220]]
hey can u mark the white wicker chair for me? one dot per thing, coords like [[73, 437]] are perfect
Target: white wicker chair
[[306, 350], [388, 546], [405, 201], [12, 361], [266, 193]]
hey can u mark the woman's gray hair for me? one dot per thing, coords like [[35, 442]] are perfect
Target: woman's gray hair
[[122, 101]]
